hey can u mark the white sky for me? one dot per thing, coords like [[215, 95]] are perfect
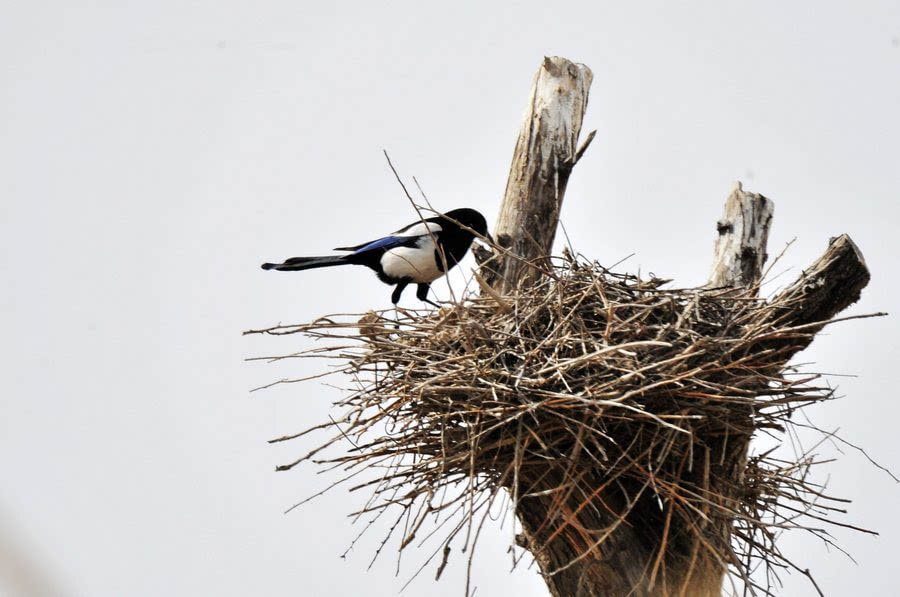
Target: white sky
[[154, 153]]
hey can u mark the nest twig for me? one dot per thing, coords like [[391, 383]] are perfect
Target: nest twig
[[601, 386]]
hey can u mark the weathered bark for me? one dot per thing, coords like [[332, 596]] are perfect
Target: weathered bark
[[545, 153]]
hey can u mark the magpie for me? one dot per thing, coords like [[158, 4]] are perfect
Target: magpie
[[416, 254]]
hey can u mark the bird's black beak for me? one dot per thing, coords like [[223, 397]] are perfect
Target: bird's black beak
[[490, 238]]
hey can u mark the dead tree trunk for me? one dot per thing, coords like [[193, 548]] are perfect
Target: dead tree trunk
[[739, 257], [602, 554], [544, 156]]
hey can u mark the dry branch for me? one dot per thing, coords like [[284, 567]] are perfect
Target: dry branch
[[827, 287], [546, 151]]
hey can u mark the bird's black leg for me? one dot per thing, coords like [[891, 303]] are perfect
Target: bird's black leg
[[401, 286], [422, 294]]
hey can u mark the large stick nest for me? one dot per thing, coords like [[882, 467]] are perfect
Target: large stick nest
[[607, 390]]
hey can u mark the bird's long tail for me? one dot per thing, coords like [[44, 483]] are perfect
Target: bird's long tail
[[300, 263]]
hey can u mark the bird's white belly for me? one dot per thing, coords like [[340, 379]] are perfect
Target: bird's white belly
[[416, 263]]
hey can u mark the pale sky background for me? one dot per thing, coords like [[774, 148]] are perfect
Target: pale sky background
[[152, 154]]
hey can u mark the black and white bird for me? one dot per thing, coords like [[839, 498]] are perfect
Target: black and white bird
[[415, 254]]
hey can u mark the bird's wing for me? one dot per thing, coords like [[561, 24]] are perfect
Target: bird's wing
[[386, 243], [402, 237]]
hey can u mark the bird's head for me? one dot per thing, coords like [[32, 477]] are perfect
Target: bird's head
[[468, 218]]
